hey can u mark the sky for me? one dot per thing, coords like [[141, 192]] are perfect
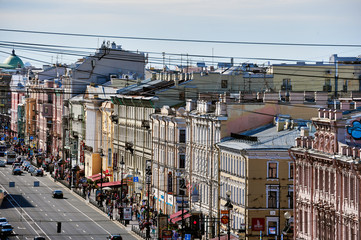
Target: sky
[[330, 22]]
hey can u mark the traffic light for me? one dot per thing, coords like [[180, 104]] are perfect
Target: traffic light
[[196, 225]]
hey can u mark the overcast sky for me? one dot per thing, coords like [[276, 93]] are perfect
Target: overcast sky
[[278, 21]]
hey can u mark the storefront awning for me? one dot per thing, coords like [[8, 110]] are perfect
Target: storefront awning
[[177, 219], [225, 237], [95, 177], [174, 215], [112, 184]]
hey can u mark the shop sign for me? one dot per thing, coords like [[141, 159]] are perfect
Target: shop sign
[[258, 224], [127, 213]]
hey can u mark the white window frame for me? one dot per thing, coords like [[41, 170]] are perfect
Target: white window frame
[[277, 172], [273, 188], [272, 219]]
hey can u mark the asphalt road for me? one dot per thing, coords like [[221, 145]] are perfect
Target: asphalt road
[[33, 212]]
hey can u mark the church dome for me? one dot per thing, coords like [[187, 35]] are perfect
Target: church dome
[[14, 61]]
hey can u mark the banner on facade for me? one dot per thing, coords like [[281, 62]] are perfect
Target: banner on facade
[[257, 224]]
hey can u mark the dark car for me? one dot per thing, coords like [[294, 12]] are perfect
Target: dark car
[[115, 237], [17, 171], [57, 194], [6, 229], [38, 172], [39, 238]]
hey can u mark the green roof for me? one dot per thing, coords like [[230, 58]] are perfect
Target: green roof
[[13, 61]]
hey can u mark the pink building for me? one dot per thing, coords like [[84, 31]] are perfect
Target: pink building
[[17, 87], [328, 176]]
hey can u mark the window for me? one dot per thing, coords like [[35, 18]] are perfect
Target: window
[[327, 87], [182, 135], [50, 99], [224, 84], [332, 186], [272, 170], [286, 85], [182, 161], [290, 170], [46, 110], [182, 186], [272, 196], [290, 196], [109, 157]]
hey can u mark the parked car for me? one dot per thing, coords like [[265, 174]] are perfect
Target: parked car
[[57, 194], [39, 238], [3, 221], [38, 172], [2, 163], [31, 169], [17, 171], [6, 229]]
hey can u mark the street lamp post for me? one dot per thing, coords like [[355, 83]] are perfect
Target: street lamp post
[[101, 177], [229, 207], [148, 171], [182, 187], [121, 189], [287, 228]]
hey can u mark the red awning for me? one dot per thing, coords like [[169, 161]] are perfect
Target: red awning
[[177, 214], [112, 184], [225, 237], [177, 219], [96, 177]]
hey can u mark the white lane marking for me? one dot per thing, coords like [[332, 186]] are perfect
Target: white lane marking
[[76, 225], [46, 214], [21, 214], [70, 220]]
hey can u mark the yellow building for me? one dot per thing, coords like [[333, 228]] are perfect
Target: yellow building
[[337, 76], [30, 123], [257, 172], [107, 109]]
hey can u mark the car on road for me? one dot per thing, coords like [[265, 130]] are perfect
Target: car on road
[[16, 164], [38, 172], [17, 171], [39, 238], [6, 229], [58, 194], [3, 221], [115, 237], [31, 169], [2, 163]]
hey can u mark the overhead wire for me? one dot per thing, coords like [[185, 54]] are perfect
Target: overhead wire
[[182, 40]]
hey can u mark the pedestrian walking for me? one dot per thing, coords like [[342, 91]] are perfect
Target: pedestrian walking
[[110, 215]]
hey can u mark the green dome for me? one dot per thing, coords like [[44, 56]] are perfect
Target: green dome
[[14, 61]]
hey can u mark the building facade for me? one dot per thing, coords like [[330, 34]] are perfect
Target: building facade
[[327, 176], [169, 153]]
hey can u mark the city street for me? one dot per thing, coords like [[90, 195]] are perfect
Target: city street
[[32, 211]]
